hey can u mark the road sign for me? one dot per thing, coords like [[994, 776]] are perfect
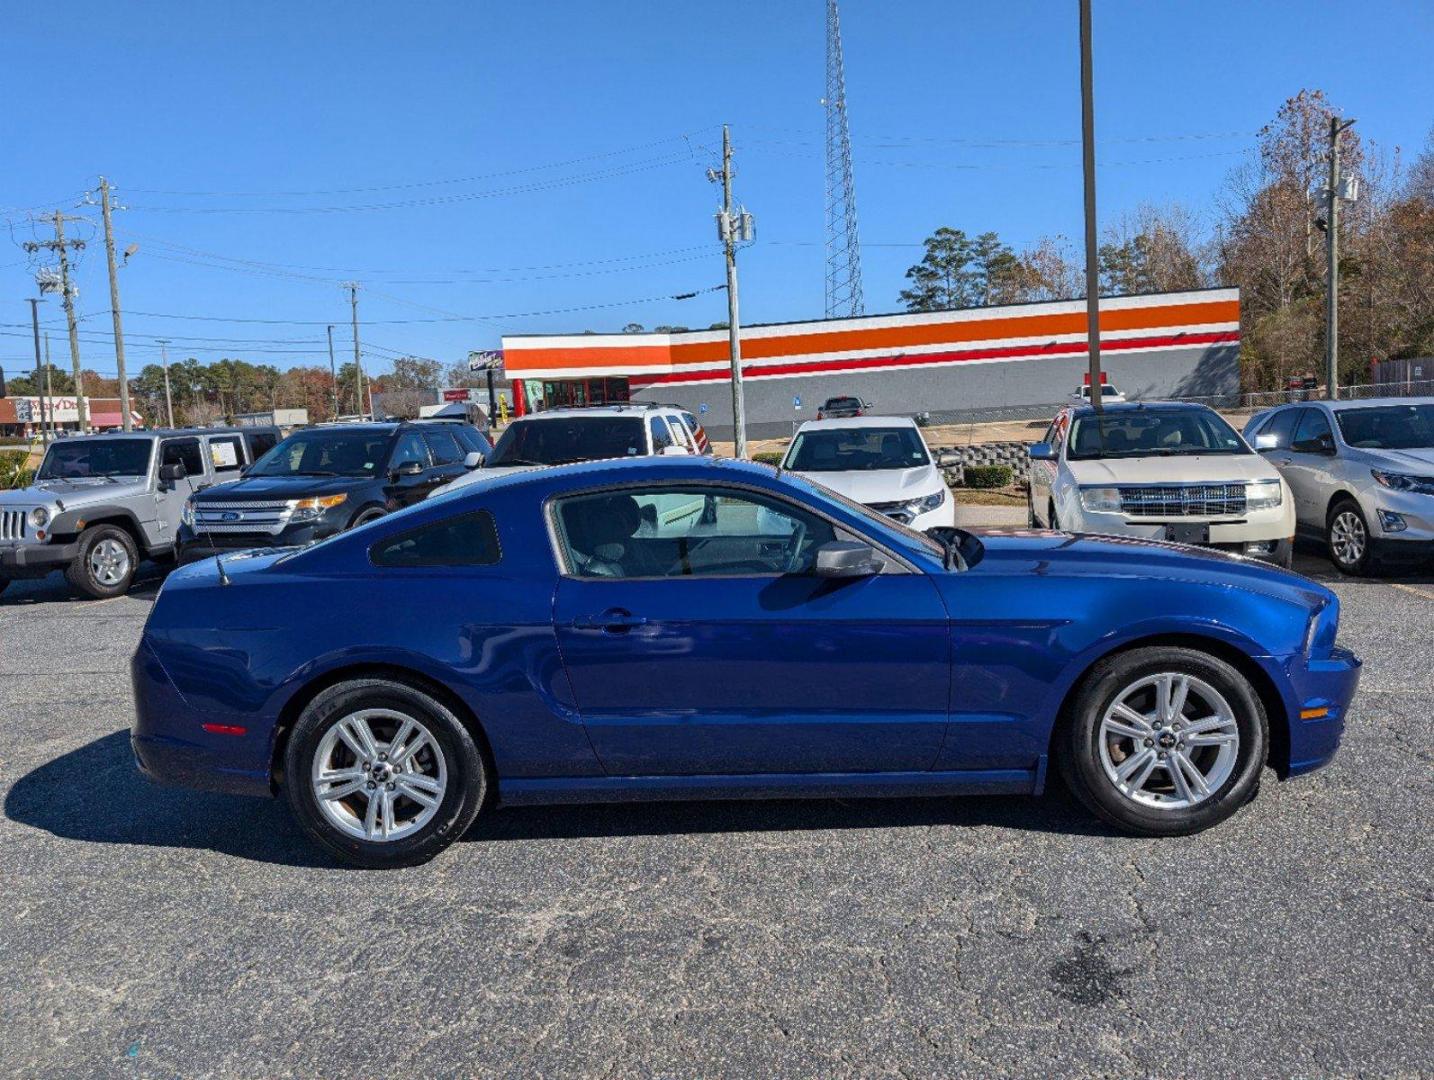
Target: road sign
[[796, 403]]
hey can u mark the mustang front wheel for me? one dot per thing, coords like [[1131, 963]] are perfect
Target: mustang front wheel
[[382, 774], [1165, 741]]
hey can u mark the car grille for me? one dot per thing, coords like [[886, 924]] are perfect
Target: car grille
[[1183, 500], [12, 525], [259, 518], [897, 511]]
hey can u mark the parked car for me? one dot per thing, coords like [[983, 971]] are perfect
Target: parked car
[[591, 433], [101, 503], [323, 480], [1160, 470], [563, 656], [880, 461], [1109, 395], [839, 408], [1362, 475]]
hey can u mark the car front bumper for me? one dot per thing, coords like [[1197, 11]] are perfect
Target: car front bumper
[[1271, 529], [1401, 523], [35, 560], [1317, 698], [193, 546]]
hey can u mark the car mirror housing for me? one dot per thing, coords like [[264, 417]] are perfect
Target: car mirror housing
[[947, 459], [170, 473], [847, 559], [473, 460], [408, 468], [1042, 451]]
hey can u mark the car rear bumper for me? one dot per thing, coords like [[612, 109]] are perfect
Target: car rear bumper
[[35, 560]]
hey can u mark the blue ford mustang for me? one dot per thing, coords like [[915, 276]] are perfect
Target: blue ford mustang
[[689, 628]]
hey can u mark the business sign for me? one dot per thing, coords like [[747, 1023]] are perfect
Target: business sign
[[481, 361], [461, 393], [23, 411]]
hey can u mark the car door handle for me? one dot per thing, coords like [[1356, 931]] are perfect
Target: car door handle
[[613, 620]]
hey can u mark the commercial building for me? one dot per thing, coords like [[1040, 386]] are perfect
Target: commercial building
[[20, 415], [993, 361]]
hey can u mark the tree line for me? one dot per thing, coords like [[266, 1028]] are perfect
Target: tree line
[[1264, 234]]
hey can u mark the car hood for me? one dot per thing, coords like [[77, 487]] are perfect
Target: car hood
[[76, 492], [1038, 551], [269, 488], [879, 485], [1419, 460], [1195, 469]]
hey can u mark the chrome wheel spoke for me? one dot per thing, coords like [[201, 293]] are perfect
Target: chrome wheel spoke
[[420, 794], [1194, 778], [401, 757], [386, 805], [1136, 769], [1178, 781], [375, 753], [370, 819], [346, 782], [1219, 738], [1135, 725]]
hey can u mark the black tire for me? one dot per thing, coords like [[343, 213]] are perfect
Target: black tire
[[1346, 515], [4, 584], [1078, 751], [86, 573], [467, 778], [363, 517]]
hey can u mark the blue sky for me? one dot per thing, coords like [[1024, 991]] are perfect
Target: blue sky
[[482, 159]]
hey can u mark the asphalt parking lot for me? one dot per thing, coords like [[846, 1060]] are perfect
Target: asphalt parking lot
[[150, 932]]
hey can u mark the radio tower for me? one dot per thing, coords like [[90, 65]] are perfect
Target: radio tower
[[843, 289]]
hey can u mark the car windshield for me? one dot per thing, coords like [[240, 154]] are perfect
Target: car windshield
[[74, 458], [856, 449], [559, 440], [1388, 427], [326, 452], [1153, 433]]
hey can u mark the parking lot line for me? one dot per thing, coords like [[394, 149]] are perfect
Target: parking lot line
[[1427, 593]]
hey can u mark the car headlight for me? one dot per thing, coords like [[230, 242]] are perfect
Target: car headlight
[[1424, 485], [186, 516], [310, 508], [1100, 500], [1264, 494], [1323, 629], [39, 517], [927, 504]]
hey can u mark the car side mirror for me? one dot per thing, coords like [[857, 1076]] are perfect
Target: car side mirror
[[847, 559], [1326, 445], [169, 474], [1042, 451], [947, 459], [408, 468], [472, 460], [1266, 442]]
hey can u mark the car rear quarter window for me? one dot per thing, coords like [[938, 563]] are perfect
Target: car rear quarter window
[[226, 454], [260, 443], [661, 437], [465, 540]]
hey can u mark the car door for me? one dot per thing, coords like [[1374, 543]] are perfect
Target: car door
[[447, 455], [704, 644], [1042, 475], [1277, 434], [1306, 465], [170, 496], [410, 471]]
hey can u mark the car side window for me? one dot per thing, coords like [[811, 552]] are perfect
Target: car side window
[[1313, 436], [679, 433], [446, 450], [466, 540], [411, 448], [688, 531], [471, 440], [226, 454], [1282, 427], [661, 437], [260, 443], [184, 452]]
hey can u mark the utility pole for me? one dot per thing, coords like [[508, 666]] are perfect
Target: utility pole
[[334, 373], [164, 363], [125, 420], [1092, 266], [359, 379], [61, 247], [730, 228], [50, 390], [39, 381], [1331, 315]]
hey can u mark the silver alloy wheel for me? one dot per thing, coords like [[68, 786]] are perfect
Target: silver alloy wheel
[[379, 775], [109, 562], [1169, 741], [1347, 538]]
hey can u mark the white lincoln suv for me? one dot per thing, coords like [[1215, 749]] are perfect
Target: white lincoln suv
[[1160, 470]]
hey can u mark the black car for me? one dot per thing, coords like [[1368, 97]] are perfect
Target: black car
[[839, 408], [324, 480]]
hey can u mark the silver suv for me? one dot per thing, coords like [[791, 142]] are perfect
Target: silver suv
[[100, 503], [1361, 472]]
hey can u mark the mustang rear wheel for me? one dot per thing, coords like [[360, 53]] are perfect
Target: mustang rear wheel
[[1165, 741], [382, 774]]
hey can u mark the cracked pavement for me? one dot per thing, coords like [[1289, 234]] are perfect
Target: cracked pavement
[[153, 932]]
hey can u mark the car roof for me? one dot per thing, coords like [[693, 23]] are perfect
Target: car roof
[[166, 433], [1357, 403], [620, 470], [858, 422], [1142, 406], [635, 410]]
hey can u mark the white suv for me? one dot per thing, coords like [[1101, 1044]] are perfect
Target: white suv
[[562, 436], [1160, 470], [879, 461]]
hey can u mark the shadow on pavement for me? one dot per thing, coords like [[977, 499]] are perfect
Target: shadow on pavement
[[97, 794], [53, 588]]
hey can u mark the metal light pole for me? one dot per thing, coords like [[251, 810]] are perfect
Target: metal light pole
[[1092, 265], [1331, 328]]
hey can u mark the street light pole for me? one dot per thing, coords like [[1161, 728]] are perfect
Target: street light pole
[[1092, 265]]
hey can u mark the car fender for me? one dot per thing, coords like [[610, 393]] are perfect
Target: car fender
[[73, 521]]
